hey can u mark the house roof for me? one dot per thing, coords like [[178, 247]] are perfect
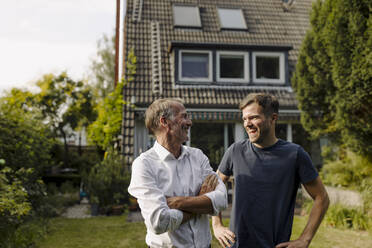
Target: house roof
[[149, 30]]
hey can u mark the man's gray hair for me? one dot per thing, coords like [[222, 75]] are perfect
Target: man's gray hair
[[160, 108]]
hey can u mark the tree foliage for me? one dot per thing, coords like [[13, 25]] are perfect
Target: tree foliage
[[333, 77], [25, 141], [65, 105], [103, 67], [105, 130]]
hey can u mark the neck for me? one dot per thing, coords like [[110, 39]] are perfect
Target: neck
[[167, 143], [266, 143]]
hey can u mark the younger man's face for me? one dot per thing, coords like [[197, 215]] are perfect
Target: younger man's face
[[256, 124]]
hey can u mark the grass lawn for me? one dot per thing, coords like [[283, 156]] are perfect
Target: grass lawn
[[115, 232]]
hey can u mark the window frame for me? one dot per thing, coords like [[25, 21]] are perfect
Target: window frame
[[199, 25], [188, 79], [245, 79], [281, 57], [229, 27]]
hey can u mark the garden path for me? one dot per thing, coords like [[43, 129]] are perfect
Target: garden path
[[78, 211]]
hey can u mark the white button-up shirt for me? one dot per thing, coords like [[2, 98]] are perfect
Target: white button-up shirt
[[156, 174]]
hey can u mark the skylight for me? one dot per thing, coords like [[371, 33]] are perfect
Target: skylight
[[231, 18], [186, 16]]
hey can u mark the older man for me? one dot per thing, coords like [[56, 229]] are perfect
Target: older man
[[174, 184]]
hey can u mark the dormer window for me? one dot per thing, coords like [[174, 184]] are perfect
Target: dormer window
[[195, 65], [231, 19], [232, 66], [186, 16], [268, 67]]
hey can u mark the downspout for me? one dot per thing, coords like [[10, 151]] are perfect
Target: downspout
[[120, 30], [121, 41]]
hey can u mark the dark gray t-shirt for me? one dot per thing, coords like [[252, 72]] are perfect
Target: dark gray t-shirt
[[266, 183]]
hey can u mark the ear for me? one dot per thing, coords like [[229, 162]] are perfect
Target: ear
[[163, 122], [274, 117]]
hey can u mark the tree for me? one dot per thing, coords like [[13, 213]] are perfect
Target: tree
[[105, 130], [25, 141], [103, 67], [65, 105], [333, 77]]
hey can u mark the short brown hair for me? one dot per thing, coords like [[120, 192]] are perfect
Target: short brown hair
[[160, 108], [268, 102]]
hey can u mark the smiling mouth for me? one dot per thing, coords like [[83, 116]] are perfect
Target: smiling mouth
[[252, 131]]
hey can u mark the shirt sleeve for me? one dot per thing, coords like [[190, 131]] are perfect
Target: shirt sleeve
[[159, 218], [306, 169], [218, 197], [226, 164]]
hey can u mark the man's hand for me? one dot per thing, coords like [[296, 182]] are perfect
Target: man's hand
[[209, 184], [294, 244], [174, 201], [224, 236]]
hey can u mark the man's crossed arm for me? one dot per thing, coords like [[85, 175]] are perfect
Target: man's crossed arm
[[192, 205]]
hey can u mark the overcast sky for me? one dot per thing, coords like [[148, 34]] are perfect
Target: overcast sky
[[49, 36]]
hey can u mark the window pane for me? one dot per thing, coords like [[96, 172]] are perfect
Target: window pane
[[231, 66], [195, 65], [232, 18], [209, 137], [186, 16], [267, 67]]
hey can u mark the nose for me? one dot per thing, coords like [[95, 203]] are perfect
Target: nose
[[189, 122]]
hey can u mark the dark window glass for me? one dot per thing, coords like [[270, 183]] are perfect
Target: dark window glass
[[267, 67], [231, 66], [209, 137], [281, 131], [195, 65]]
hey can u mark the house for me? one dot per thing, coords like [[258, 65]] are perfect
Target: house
[[212, 53]]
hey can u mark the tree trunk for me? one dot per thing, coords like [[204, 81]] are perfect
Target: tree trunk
[[65, 157]]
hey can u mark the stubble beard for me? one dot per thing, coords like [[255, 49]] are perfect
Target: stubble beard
[[261, 135]]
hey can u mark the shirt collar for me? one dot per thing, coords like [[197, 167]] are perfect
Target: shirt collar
[[163, 153]]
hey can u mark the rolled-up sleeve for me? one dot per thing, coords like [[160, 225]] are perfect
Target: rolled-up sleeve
[[219, 195], [159, 218]]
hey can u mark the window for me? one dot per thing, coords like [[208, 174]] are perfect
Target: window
[[232, 66], [186, 16], [268, 67], [195, 65], [231, 19]]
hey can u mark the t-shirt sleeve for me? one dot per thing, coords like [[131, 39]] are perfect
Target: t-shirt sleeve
[[226, 164], [306, 169]]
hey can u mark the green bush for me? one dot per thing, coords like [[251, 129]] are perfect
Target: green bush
[[15, 209], [107, 182], [25, 141], [342, 217], [350, 171], [14, 203], [68, 187], [52, 188], [27, 234]]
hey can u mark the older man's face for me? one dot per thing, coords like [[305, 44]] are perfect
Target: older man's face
[[180, 125]]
